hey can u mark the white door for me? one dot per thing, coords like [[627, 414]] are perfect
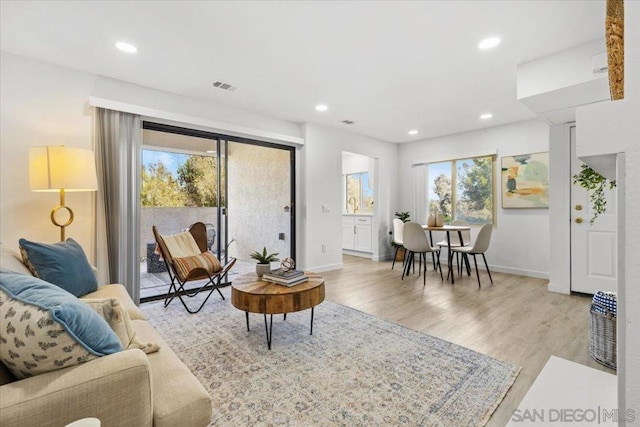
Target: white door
[[593, 246]]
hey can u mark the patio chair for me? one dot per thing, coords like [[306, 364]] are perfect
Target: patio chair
[[188, 259]]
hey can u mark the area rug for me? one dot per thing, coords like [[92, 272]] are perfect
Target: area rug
[[356, 369]]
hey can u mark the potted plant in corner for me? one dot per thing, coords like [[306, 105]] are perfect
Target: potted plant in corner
[[264, 261]]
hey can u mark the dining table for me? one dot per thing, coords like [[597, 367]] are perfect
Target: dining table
[[448, 229]]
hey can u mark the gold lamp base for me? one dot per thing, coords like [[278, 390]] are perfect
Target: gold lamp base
[[53, 216]]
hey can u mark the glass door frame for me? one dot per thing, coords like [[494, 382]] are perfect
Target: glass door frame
[[222, 141]]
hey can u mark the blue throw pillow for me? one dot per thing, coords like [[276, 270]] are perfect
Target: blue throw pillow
[[34, 339], [63, 264]]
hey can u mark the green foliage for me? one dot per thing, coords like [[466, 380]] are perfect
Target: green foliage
[[442, 188], [196, 184], [404, 216], [263, 258], [474, 181], [159, 188], [197, 176], [595, 185], [475, 191]]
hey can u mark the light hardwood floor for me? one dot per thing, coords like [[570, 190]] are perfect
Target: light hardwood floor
[[516, 319]]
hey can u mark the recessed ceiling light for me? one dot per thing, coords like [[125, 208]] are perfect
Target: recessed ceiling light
[[413, 132], [126, 47], [322, 107], [489, 42], [486, 116]]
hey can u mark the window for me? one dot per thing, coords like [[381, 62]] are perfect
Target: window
[[462, 189], [359, 193]]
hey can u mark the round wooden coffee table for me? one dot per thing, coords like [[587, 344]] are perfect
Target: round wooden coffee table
[[251, 294]]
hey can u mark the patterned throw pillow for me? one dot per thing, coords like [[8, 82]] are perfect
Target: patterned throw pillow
[[63, 264], [205, 260], [32, 343], [118, 319], [44, 328]]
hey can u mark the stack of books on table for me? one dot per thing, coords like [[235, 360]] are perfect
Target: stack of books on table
[[285, 278]]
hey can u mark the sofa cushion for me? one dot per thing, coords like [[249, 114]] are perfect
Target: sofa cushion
[[178, 396], [120, 292], [63, 264], [46, 328], [118, 319], [11, 260]]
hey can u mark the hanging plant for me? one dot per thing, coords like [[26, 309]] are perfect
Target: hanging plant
[[595, 185]]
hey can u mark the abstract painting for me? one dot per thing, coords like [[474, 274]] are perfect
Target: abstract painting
[[525, 181]]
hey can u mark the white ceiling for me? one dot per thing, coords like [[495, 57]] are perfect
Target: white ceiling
[[390, 66]]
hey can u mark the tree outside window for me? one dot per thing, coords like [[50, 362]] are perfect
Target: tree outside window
[[171, 179], [466, 184]]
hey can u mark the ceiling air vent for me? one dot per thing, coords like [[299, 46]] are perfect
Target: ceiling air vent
[[224, 86], [348, 122]]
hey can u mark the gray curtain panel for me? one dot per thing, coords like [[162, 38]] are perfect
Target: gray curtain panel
[[118, 141]]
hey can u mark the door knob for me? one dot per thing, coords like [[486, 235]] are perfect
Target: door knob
[[578, 207], [579, 220]]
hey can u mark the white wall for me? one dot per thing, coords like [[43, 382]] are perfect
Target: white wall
[[605, 129], [321, 161], [41, 104], [45, 104], [230, 121], [520, 240], [559, 70], [354, 163], [559, 209]]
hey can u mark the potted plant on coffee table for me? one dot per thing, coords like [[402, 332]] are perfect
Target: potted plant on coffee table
[[264, 261]]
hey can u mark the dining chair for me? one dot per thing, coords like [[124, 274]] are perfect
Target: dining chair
[[415, 241], [398, 226], [455, 242], [479, 247]]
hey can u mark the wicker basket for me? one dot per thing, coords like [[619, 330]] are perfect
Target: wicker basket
[[603, 343]]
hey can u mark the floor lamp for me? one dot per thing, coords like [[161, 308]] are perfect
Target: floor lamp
[[63, 169]]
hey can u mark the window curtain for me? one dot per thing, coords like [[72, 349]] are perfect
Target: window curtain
[[118, 139], [420, 210]]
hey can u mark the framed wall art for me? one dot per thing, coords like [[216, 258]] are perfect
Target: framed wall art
[[525, 181]]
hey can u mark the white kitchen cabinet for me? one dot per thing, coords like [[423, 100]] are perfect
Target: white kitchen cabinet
[[356, 233]]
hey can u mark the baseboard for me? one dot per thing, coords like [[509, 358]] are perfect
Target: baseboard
[[324, 268], [560, 288], [383, 257], [518, 271], [367, 255]]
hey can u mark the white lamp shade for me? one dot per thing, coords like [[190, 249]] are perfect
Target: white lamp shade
[[62, 168]]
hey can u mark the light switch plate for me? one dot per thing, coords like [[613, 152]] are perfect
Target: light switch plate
[[325, 209]]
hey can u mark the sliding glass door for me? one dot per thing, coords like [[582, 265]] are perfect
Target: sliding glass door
[[260, 199], [243, 191]]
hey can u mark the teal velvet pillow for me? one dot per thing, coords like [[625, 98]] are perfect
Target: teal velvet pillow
[[63, 264], [61, 332]]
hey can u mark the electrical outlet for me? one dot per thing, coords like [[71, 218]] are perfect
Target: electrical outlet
[[326, 209], [324, 248]]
